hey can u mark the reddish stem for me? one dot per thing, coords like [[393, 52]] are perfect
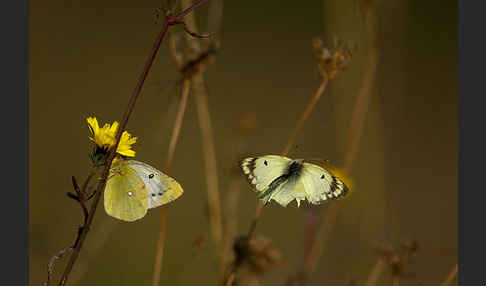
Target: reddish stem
[[169, 21], [179, 16]]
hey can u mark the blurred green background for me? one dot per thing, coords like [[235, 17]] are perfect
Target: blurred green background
[[85, 59]]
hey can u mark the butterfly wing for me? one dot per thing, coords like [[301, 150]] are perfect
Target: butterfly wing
[[161, 188], [125, 195], [263, 171], [292, 188], [314, 183], [320, 185]]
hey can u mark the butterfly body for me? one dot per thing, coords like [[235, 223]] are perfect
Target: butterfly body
[[282, 179], [134, 187]]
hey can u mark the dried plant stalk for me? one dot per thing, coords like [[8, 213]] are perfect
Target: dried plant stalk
[[355, 131], [104, 177], [330, 63], [304, 116], [170, 155], [189, 76], [231, 222], [104, 229], [376, 272], [291, 141], [197, 245], [186, 86], [50, 265], [322, 235], [452, 275], [170, 20], [210, 163]]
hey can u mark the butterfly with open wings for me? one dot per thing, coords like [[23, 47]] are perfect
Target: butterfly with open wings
[[283, 179]]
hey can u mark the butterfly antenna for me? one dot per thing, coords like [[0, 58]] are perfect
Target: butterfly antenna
[[319, 161]]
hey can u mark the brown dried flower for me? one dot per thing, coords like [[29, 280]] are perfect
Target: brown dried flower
[[256, 256], [331, 61], [397, 258]]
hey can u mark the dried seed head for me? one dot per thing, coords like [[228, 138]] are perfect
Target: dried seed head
[[398, 257], [256, 256], [331, 61]]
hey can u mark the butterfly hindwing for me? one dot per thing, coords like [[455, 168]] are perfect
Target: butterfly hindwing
[[125, 195], [292, 188], [161, 188]]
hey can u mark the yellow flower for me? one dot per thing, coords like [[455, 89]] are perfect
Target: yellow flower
[[104, 137]]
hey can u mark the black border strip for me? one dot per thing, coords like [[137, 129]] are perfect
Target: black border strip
[[14, 118], [472, 108]]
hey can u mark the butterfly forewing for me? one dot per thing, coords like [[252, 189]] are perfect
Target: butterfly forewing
[[262, 171], [125, 196], [161, 188], [321, 185]]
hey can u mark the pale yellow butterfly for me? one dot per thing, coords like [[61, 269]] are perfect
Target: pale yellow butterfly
[[283, 179], [134, 187]]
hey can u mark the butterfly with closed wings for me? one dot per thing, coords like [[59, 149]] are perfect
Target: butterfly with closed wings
[[283, 179], [134, 187]]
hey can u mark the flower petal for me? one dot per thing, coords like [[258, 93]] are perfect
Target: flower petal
[[93, 124], [105, 137]]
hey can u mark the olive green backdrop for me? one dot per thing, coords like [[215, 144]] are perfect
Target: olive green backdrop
[[85, 59]]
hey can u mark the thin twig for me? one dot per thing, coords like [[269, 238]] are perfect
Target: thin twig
[[88, 180], [256, 218], [136, 92], [209, 153], [376, 272], [355, 131], [230, 280], [81, 197], [289, 144], [310, 107], [322, 235], [286, 149], [186, 11], [170, 155], [50, 265], [330, 63], [104, 177], [230, 208], [304, 116], [451, 276], [101, 235], [197, 245], [188, 70], [186, 86], [231, 217], [210, 165], [291, 141], [160, 246]]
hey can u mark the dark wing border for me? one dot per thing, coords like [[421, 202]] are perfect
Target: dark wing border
[[248, 166]]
